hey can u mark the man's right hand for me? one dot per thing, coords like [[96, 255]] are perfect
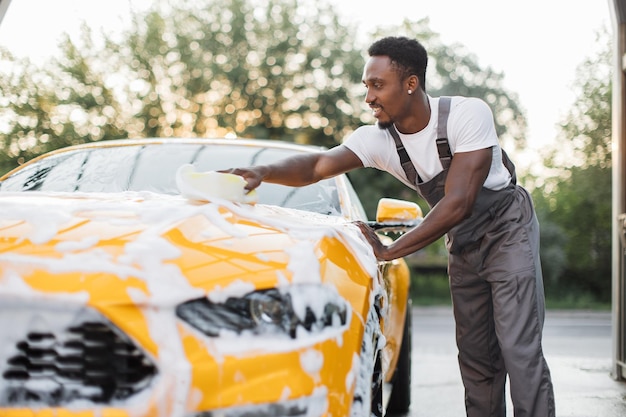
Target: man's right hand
[[253, 175]]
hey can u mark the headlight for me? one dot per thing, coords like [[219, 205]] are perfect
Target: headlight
[[268, 308], [309, 307]]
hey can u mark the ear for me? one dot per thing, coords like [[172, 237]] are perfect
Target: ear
[[412, 83]]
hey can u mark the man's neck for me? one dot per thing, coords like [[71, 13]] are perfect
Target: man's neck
[[417, 116]]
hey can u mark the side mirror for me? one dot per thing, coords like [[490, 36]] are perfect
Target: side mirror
[[396, 215]]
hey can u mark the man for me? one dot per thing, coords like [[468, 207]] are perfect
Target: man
[[489, 222]]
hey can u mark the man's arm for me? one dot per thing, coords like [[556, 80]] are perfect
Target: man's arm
[[466, 177], [301, 170]]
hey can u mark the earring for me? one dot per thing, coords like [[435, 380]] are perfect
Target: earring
[[410, 92]]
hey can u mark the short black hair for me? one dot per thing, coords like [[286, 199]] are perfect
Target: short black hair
[[407, 55]]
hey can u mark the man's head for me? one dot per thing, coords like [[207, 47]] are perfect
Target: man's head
[[394, 76], [408, 56]]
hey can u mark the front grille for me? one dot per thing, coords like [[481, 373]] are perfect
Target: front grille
[[90, 361]]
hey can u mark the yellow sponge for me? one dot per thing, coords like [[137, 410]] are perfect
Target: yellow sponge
[[212, 185]]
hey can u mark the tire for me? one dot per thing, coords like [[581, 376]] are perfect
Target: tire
[[377, 389], [400, 398]]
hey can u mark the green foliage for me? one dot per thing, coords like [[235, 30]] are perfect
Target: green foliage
[[429, 287], [238, 67], [574, 201], [55, 106], [218, 68]]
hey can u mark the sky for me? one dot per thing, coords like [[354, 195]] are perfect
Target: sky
[[536, 44]]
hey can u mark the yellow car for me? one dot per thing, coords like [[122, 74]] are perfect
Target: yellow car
[[120, 297]]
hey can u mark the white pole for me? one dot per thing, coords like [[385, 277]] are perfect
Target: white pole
[[4, 5], [618, 12]]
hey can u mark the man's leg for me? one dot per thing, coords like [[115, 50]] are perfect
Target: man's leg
[[514, 272], [519, 330], [480, 359]]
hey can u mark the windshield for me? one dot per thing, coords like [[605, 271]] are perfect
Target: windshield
[[152, 167]]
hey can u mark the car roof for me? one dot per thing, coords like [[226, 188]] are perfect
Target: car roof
[[264, 143]]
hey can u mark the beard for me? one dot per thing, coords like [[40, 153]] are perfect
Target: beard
[[384, 125]]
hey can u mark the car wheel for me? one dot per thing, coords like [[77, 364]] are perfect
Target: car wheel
[[400, 398], [377, 388]]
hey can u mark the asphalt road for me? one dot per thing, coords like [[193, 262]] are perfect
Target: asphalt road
[[577, 346]]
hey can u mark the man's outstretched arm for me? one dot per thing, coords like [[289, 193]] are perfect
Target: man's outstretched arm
[[299, 170]]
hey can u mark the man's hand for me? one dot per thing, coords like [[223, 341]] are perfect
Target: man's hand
[[253, 175], [380, 250]]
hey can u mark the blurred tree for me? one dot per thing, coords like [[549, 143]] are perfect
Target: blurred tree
[[218, 68], [253, 69], [574, 196], [201, 68], [63, 103]]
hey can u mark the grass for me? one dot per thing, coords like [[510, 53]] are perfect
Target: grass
[[576, 301], [429, 287]]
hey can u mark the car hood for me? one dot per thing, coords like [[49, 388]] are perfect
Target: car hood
[[161, 249], [118, 268]]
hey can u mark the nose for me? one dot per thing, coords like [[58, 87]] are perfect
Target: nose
[[369, 96]]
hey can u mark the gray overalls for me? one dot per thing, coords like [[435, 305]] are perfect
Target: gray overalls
[[497, 292]]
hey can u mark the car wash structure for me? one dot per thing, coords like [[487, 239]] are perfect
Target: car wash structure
[[618, 14]]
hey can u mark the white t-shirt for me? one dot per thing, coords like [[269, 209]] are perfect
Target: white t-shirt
[[470, 127]]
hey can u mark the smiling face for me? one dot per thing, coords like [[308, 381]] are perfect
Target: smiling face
[[386, 90]]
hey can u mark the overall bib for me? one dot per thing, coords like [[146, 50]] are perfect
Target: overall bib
[[497, 292]]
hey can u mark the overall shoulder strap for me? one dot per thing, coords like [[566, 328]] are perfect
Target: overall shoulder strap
[[509, 165], [443, 146], [405, 159]]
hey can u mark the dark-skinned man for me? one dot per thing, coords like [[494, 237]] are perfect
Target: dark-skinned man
[[447, 149]]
